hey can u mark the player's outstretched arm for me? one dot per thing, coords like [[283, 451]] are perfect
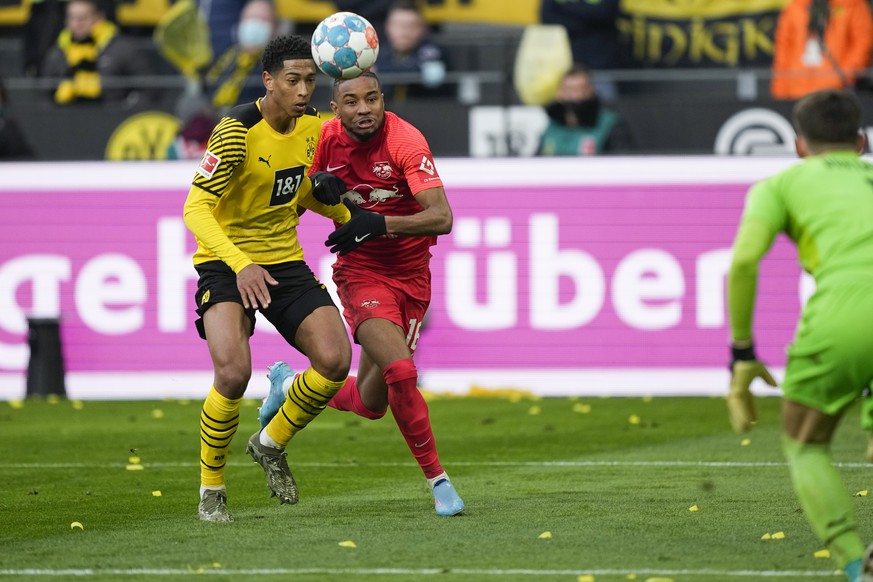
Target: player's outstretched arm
[[434, 219]]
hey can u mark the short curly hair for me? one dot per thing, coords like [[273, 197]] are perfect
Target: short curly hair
[[285, 48]]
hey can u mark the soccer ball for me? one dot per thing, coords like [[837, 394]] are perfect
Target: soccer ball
[[344, 45]]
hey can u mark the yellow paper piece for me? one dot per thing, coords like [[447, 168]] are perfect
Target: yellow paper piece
[[348, 544], [745, 442], [631, 576], [582, 408], [779, 535], [134, 460], [76, 525], [157, 413], [585, 578], [134, 467], [659, 579], [693, 508], [77, 404], [156, 493], [822, 554], [534, 410], [647, 398], [634, 419], [16, 404], [546, 535], [766, 536], [862, 493], [52, 398]]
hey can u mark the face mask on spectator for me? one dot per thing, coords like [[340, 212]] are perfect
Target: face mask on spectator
[[585, 111], [254, 34]]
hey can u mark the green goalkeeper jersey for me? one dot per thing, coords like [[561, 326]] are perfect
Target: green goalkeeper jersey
[[825, 205]]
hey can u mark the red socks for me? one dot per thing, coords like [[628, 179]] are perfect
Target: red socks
[[349, 399], [410, 412]]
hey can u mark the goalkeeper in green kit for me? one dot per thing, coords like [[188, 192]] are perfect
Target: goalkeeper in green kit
[[825, 206]]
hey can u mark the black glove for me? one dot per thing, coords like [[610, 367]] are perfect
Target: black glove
[[361, 227], [327, 188]]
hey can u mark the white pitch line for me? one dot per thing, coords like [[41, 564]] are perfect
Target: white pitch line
[[411, 572], [341, 465]]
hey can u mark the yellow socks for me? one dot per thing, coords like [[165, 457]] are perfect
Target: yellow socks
[[309, 394], [218, 422]]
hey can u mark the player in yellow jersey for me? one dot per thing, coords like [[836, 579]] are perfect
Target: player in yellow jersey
[[243, 209], [825, 206]]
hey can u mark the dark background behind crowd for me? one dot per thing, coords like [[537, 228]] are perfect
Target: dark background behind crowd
[[146, 79]]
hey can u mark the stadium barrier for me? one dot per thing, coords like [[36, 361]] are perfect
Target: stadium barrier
[[601, 276]]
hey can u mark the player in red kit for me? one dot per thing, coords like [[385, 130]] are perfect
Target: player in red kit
[[381, 167]]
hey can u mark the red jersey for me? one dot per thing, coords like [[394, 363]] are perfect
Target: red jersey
[[383, 175]]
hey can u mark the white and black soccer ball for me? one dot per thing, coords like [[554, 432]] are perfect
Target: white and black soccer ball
[[344, 45]]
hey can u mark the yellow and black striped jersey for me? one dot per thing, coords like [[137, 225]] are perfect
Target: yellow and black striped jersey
[[242, 205]]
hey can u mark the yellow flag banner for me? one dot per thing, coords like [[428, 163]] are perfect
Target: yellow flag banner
[[698, 33]]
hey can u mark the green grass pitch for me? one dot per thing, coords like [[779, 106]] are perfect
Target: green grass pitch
[[627, 489]]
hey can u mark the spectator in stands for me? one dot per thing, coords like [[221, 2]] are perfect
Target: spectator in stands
[[235, 77], [13, 143], [820, 44], [89, 51], [579, 125], [593, 34], [407, 49]]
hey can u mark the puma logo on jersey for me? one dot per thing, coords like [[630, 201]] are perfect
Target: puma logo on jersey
[[267, 161]]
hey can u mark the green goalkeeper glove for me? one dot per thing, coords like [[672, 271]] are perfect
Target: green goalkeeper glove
[[745, 367]]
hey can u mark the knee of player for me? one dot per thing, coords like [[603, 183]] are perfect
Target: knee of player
[[334, 364], [233, 378]]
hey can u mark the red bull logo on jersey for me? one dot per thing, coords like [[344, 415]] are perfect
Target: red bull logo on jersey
[[208, 165], [382, 170], [374, 197]]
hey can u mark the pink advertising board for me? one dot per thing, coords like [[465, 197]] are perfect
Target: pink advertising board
[[561, 277]]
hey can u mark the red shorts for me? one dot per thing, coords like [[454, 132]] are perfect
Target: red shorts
[[366, 294]]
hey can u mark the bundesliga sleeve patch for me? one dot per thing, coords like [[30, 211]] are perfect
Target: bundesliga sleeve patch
[[208, 165], [427, 166]]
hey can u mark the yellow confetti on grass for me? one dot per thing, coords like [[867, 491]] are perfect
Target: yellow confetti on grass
[[861, 493], [157, 413], [156, 493], [134, 467], [534, 410], [582, 408], [779, 535], [585, 578], [546, 535], [659, 579], [631, 576], [134, 460], [693, 508], [634, 419], [77, 404], [647, 398], [77, 525], [745, 442], [16, 404], [766, 536], [822, 554], [348, 544], [53, 399]]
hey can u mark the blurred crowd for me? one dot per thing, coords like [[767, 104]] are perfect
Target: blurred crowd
[[107, 51]]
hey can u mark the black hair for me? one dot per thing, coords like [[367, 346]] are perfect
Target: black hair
[[340, 81], [828, 117], [285, 48]]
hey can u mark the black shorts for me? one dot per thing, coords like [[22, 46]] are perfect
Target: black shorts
[[298, 294]]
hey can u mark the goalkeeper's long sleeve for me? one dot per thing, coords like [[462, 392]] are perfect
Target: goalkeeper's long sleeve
[[753, 240]]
